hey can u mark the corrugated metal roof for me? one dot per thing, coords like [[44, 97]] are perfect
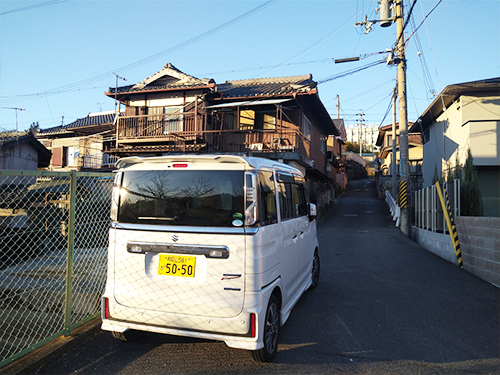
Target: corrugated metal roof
[[6, 137], [13, 139]]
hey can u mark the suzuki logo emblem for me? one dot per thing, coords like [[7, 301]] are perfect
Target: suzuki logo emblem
[[175, 238]]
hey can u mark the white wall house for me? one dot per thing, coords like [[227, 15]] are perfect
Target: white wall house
[[464, 116]]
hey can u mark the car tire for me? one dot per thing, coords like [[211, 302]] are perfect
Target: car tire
[[315, 271], [270, 332]]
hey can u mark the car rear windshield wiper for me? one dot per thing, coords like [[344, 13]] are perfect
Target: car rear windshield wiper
[[175, 218]]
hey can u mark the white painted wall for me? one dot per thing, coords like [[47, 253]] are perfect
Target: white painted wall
[[471, 122]]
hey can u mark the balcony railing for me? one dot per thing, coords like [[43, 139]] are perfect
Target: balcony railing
[[178, 133], [98, 161], [157, 126]]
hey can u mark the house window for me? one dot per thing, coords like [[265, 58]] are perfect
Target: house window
[[426, 136], [306, 127], [247, 119], [323, 144], [173, 119], [269, 121]]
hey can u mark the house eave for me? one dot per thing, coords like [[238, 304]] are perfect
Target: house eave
[[449, 95], [209, 86]]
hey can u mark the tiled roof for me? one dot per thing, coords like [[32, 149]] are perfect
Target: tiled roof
[[167, 78], [134, 88], [92, 120], [266, 86], [81, 122]]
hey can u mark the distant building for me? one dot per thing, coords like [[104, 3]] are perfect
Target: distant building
[[21, 151], [366, 135], [384, 142], [335, 145], [82, 144]]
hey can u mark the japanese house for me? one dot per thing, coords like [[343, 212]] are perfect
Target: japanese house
[[82, 144], [278, 118]]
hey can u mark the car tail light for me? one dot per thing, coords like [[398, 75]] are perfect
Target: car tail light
[[253, 325], [106, 308], [180, 165]]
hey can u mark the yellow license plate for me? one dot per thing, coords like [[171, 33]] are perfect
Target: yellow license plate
[[176, 265]]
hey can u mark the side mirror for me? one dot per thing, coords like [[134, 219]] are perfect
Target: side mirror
[[313, 211]]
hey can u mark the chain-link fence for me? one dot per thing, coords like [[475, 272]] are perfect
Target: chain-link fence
[[53, 245]]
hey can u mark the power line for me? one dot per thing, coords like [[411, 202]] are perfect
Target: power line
[[427, 15], [317, 43], [324, 60], [390, 105], [349, 72], [53, 2], [146, 60]]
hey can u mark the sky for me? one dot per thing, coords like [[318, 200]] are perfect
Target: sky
[[58, 57]]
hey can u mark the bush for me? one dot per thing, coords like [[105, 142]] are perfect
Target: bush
[[470, 194]]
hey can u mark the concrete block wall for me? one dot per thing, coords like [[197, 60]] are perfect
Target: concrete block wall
[[480, 245], [437, 243]]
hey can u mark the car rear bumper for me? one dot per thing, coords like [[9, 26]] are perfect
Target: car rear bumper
[[241, 331]]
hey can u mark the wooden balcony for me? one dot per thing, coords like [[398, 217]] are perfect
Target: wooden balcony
[[183, 133]]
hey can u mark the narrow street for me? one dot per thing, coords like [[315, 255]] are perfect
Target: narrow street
[[384, 305]]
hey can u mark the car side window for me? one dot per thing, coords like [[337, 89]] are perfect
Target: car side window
[[267, 202], [299, 197], [286, 201]]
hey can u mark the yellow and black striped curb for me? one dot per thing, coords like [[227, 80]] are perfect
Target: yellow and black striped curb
[[452, 228]]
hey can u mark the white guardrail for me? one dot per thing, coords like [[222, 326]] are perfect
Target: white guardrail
[[395, 210]]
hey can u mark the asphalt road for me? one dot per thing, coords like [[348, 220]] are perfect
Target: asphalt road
[[384, 305]]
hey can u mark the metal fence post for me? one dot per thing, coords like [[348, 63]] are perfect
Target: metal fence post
[[70, 255], [434, 208]]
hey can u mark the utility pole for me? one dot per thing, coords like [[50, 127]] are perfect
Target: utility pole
[[403, 119], [399, 59], [338, 106], [394, 146], [361, 123], [17, 110]]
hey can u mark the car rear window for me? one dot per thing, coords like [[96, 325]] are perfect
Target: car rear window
[[182, 197]]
